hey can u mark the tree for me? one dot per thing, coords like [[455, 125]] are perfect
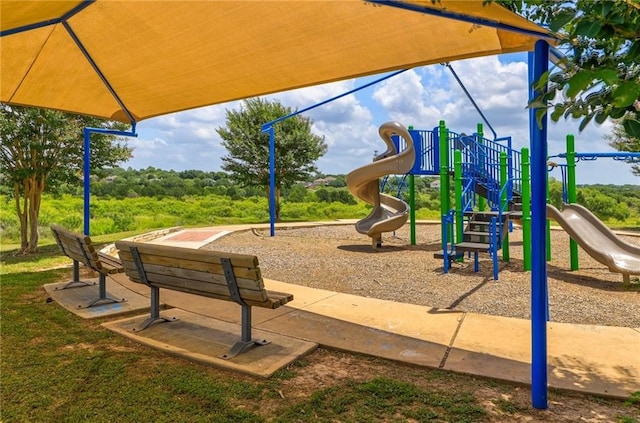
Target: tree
[[43, 148], [622, 141], [297, 148], [600, 76]]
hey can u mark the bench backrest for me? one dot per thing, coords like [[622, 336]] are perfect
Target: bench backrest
[[193, 271], [78, 247]]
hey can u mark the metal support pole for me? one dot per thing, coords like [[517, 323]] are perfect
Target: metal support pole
[[87, 166], [272, 181], [412, 208], [504, 181], [526, 209], [572, 194], [76, 271], [246, 323], [155, 302], [480, 160], [443, 134], [547, 221], [538, 233], [457, 177], [87, 180]]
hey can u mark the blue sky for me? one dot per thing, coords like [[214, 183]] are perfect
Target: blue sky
[[420, 97]]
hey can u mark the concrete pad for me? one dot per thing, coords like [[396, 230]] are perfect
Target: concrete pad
[[597, 359], [190, 238], [71, 298], [492, 346], [204, 339], [580, 357], [302, 296], [348, 336], [419, 322]]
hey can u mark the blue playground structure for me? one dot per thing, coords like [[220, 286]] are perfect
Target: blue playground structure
[[491, 187], [534, 209], [490, 180]]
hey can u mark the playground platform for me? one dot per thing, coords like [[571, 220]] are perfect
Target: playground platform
[[584, 358]]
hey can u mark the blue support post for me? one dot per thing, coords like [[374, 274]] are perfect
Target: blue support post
[[87, 167], [87, 181], [538, 232], [268, 127], [272, 181]]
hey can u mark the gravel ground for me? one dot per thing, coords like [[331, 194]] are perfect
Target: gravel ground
[[337, 258]]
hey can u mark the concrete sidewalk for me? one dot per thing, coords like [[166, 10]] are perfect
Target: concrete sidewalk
[[584, 358], [593, 359]]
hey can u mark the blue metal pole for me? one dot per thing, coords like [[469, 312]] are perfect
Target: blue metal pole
[[87, 166], [539, 233], [473, 102], [87, 180], [272, 181], [266, 126]]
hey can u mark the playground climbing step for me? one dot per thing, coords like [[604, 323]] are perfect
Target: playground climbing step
[[473, 246]]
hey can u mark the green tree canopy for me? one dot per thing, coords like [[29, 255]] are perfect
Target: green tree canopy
[[42, 148], [621, 141], [297, 149], [600, 76]]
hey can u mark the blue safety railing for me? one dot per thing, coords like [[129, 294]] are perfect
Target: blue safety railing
[[481, 165], [427, 159]]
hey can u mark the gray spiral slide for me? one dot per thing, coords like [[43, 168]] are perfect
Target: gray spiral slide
[[597, 239], [389, 213]]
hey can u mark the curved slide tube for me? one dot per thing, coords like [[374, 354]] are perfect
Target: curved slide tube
[[597, 239], [389, 213]]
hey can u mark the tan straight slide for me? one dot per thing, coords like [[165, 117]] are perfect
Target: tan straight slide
[[389, 213], [597, 239]]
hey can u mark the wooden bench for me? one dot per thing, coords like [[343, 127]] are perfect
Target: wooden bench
[[80, 249], [212, 274]]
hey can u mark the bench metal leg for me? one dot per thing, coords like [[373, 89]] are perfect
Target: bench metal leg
[[76, 282], [246, 342], [102, 295], [154, 312]]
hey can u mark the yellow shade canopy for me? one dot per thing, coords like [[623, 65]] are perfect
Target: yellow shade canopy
[[132, 60]]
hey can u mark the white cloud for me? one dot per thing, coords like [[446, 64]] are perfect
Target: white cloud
[[420, 97]]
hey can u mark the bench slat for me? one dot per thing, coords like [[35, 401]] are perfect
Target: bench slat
[[274, 299], [188, 263], [80, 248], [110, 264], [156, 272], [76, 253], [199, 272], [76, 240], [239, 260], [78, 245], [68, 235], [271, 302], [206, 289]]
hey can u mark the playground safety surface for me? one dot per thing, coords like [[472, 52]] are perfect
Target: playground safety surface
[[601, 360]]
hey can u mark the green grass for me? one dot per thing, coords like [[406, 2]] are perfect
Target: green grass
[[398, 401], [142, 214], [57, 367]]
